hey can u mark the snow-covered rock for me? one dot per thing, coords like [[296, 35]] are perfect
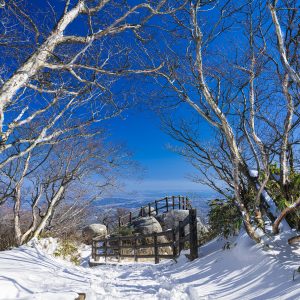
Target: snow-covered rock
[[93, 230], [171, 220], [253, 173], [146, 225]]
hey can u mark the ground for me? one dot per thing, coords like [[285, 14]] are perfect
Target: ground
[[245, 271]]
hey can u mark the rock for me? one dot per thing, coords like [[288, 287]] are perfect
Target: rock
[[171, 220], [93, 230], [146, 225]]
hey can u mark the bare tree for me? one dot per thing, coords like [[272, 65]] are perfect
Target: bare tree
[[233, 90], [45, 180], [281, 37], [61, 65]]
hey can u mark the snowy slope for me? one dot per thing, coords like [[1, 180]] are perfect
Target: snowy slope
[[243, 272]]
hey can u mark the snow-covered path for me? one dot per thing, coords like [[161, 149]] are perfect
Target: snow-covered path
[[243, 272]]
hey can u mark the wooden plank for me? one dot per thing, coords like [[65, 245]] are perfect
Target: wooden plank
[[186, 221], [166, 256], [106, 255], [164, 244], [145, 246], [146, 256], [126, 247]]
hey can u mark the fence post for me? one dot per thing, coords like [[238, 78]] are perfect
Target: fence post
[[173, 202], [105, 249], [119, 222], [93, 250], [179, 204], [167, 204], [142, 211], [156, 208], [180, 235], [130, 218], [174, 243], [156, 248], [119, 249], [135, 249], [149, 208], [193, 234]]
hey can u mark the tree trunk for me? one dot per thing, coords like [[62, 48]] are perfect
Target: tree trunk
[[283, 214], [245, 214], [35, 62], [294, 240], [281, 47], [258, 219], [49, 212], [17, 225]]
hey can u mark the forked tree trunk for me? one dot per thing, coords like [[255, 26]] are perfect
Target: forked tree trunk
[[283, 214], [49, 212]]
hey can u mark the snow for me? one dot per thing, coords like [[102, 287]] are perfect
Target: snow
[[284, 226], [253, 173], [245, 271]]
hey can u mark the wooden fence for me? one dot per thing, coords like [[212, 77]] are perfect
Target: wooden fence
[[158, 206], [167, 244]]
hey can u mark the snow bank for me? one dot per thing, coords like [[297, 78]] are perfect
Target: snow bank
[[243, 272]]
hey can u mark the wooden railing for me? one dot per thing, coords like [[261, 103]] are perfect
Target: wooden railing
[[158, 206], [135, 246]]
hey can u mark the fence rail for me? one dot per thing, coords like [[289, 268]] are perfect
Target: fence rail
[[162, 205], [166, 244]]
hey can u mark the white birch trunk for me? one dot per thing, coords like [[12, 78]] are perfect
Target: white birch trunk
[[49, 212]]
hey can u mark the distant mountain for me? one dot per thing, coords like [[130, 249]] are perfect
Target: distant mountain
[[199, 201]]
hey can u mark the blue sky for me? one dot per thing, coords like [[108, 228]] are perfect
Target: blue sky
[[139, 128], [165, 170]]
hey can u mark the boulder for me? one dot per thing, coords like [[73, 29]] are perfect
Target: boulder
[[146, 225], [171, 220], [93, 230]]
